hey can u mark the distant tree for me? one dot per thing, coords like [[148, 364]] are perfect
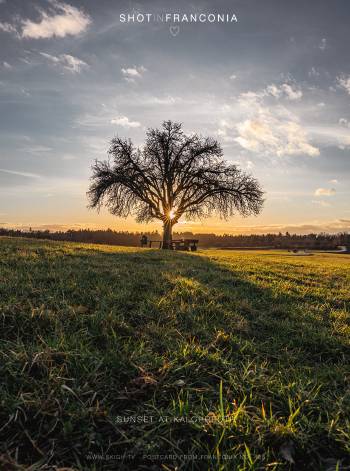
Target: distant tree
[[173, 175]]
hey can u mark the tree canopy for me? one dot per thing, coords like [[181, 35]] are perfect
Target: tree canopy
[[171, 176]]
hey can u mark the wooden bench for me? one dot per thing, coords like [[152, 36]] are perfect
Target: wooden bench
[[178, 244], [185, 244]]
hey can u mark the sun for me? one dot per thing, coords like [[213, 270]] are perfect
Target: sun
[[172, 213]]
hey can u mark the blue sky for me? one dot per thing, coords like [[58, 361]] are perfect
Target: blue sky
[[273, 87]]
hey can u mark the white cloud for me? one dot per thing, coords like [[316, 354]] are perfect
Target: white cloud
[[256, 135], [291, 93], [66, 62], [233, 77], [168, 100], [61, 21], [20, 174], [73, 64], [25, 60], [8, 28], [344, 144], [269, 135], [344, 82], [313, 72], [269, 131], [35, 149], [331, 135], [132, 73], [274, 90], [6, 65], [125, 122], [323, 44], [285, 90], [325, 192], [334, 181], [25, 92]]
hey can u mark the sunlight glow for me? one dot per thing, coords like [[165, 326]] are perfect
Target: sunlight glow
[[172, 213]]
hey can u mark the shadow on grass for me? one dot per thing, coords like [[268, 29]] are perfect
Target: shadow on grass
[[98, 336]]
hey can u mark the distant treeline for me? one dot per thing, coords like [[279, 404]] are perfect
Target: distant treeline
[[286, 241]]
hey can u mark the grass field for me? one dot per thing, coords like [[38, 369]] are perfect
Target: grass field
[[121, 358]]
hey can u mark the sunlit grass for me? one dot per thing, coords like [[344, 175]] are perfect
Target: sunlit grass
[[241, 357]]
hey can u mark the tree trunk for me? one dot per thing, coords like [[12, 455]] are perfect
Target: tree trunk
[[167, 235]]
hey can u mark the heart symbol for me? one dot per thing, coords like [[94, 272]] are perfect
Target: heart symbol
[[174, 30]]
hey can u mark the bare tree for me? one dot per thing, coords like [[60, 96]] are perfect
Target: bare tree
[[173, 175]]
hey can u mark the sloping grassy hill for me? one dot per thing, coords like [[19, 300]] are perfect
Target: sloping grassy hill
[[120, 358]]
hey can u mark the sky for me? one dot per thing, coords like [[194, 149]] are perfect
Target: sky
[[271, 83]]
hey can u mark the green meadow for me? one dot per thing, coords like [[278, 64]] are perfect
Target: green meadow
[[123, 358]]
